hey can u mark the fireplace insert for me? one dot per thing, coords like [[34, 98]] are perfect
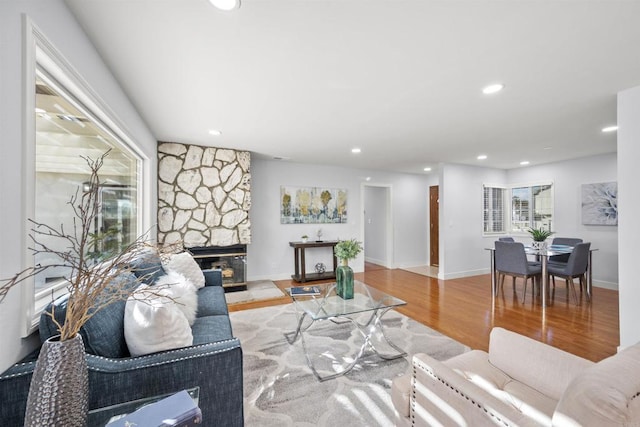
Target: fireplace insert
[[230, 260]]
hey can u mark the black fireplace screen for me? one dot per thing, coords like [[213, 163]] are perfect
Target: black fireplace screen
[[230, 260]]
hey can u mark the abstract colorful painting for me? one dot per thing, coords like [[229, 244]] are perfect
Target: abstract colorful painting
[[600, 203], [312, 205]]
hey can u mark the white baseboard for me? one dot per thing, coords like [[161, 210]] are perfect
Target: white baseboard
[[376, 261], [460, 274]]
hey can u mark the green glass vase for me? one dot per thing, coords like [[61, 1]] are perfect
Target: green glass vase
[[344, 280]]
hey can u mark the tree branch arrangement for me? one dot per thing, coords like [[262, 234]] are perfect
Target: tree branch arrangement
[[91, 285]]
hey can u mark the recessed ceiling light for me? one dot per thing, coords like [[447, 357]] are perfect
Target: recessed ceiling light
[[427, 169], [225, 4], [482, 157], [488, 90], [524, 163], [610, 129], [368, 178], [356, 150], [215, 132]]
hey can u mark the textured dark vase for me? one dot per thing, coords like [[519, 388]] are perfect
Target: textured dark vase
[[58, 395], [344, 280]]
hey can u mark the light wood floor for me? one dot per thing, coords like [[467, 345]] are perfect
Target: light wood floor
[[464, 310]]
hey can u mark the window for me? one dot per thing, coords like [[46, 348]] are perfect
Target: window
[[65, 122], [531, 207], [494, 210]]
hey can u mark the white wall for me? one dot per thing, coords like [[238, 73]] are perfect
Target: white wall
[[270, 256], [462, 246], [57, 24], [568, 178], [629, 206]]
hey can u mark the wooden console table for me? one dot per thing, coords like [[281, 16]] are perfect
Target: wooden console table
[[299, 258]]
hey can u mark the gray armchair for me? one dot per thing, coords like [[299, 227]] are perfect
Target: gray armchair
[[511, 260], [576, 266]]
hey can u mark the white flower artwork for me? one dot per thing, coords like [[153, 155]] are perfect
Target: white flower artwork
[[600, 203]]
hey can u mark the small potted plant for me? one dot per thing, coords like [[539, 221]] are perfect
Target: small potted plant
[[346, 250], [304, 238], [539, 236]]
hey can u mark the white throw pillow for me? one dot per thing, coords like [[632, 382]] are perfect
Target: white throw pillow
[[184, 264], [154, 323], [183, 292]]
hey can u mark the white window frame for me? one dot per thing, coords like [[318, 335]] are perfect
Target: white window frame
[[508, 212], [40, 53], [529, 185], [505, 211]]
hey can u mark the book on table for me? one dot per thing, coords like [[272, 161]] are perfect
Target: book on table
[[304, 290], [178, 410]]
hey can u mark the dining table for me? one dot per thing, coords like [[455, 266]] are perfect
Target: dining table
[[542, 254]]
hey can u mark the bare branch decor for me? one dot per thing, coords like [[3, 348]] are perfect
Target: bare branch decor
[[91, 285]]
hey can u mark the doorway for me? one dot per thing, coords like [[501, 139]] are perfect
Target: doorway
[[434, 226], [378, 236]]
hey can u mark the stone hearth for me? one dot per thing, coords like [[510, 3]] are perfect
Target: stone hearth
[[204, 195]]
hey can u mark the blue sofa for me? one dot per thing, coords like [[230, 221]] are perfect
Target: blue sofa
[[213, 363]]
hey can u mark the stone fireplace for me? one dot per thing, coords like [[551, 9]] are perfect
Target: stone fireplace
[[230, 260], [204, 195]]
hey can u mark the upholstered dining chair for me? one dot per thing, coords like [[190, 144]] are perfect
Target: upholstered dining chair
[[568, 241], [576, 266], [511, 260], [511, 239]]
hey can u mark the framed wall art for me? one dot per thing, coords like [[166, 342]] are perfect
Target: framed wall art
[[313, 205], [600, 203]]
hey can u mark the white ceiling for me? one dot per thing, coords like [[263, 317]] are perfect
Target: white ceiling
[[308, 80]]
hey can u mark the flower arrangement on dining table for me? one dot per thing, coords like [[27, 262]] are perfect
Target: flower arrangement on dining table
[[539, 236]]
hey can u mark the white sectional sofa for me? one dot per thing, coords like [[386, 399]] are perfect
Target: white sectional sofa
[[520, 382]]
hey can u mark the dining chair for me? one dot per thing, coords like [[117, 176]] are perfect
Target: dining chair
[[511, 260], [567, 241], [576, 266], [511, 239]]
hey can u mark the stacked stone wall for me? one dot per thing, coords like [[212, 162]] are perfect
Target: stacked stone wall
[[204, 195]]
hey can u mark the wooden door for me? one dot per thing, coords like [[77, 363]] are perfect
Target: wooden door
[[434, 226]]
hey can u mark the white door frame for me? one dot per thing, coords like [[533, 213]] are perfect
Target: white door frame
[[388, 262]]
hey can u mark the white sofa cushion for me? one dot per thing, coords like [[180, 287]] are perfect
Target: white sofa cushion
[[476, 368], [606, 394], [183, 292], [401, 394], [542, 367], [184, 264], [154, 323]]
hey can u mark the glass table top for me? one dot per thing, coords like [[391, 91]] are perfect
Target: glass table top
[[550, 250], [328, 304]]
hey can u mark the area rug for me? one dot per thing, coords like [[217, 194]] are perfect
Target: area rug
[[258, 290], [281, 390]]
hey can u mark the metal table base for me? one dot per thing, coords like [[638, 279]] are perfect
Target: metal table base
[[367, 330]]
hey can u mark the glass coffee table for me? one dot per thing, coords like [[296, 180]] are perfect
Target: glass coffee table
[[327, 305]]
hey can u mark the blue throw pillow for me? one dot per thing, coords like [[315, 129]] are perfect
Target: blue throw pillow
[[103, 334], [148, 267]]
